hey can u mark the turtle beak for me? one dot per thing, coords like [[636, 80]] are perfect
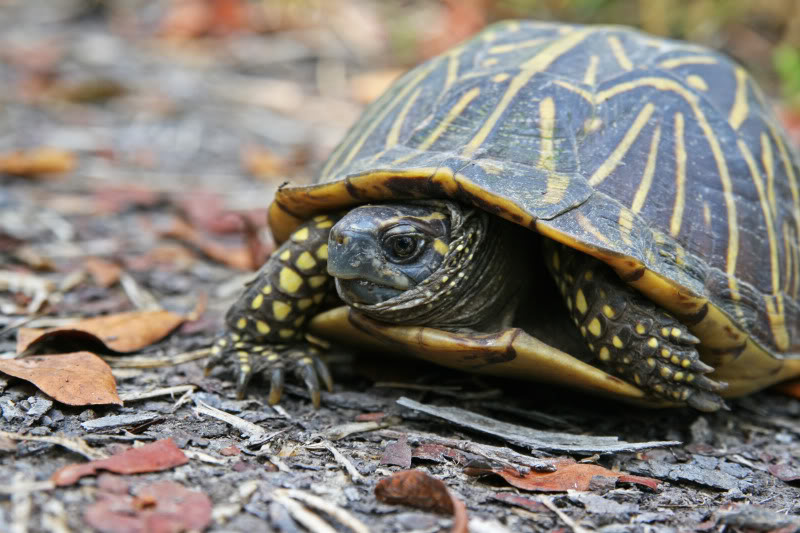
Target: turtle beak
[[361, 271]]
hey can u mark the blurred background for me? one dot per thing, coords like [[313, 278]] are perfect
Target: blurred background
[[153, 133]]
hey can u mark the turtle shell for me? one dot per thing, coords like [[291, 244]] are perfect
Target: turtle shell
[[659, 157]]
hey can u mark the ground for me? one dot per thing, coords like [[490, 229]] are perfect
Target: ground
[[166, 142]]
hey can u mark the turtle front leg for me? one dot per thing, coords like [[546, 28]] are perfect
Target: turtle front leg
[[629, 335], [266, 327]]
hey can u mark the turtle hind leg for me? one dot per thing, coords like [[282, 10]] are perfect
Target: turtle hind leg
[[629, 335]]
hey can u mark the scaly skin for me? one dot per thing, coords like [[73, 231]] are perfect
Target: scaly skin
[[266, 326], [631, 337]]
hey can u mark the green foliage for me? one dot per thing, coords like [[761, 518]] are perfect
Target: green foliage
[[786, 60]]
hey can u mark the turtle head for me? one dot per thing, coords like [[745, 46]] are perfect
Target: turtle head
[[377, 252], [428, 262]]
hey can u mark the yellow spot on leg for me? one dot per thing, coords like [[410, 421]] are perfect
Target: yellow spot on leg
[[305, 261], [652, 342], [640, 329], [285, 255], [300, 235], [262, 327], [617, 342], [257, 301], [608, 311], [241, 323], [281, 309], [286, 333], [604, 355], [317, 281], [580, 302], [304, 303], [326, 224], [290, 280], [267, 289], [322, 252], [595, 327]]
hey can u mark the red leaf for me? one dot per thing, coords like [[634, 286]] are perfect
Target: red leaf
[[418, 489], [569, 475], [397, 453], [122, 332], [163, 507], [154, 457], [79, 378]]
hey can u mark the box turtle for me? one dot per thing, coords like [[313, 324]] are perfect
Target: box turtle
[[586, 205]]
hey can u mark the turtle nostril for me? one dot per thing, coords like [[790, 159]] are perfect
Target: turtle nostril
[[339, 239]]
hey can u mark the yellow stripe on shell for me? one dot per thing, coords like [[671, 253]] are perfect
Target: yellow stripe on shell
[[619, 52], [614, 159], [680, 177], [442, 126], [665, 84], [696, 82], [583, 93], [537, 63], [739, 110], [649, 171], [755, 175], [590, 76], [769, 167], [378, 119], [394, 133], [688, 60], [513, 47]]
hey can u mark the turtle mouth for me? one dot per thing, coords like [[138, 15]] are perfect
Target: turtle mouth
[[361, 291]]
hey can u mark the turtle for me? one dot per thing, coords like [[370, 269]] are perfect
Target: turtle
[[592, 206]]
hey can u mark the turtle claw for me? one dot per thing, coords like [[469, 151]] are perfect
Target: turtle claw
[[705, 401], [276, 380], [308, 373], [273, 362]]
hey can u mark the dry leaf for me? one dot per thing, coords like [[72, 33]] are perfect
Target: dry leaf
[[122, 332], [418, 489], [437, 453], [79, 378], [785, 472], [240, 257], [397, 453], [39, 161], [163, 507], [104, 273], [154, 457], [569, 475]]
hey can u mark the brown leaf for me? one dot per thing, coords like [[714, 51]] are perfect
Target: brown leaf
[[79, 378], [569, 475], [33, 163], [785, 472], [163, 507], [154, 457], [437, 453], [239, 257], [520, 501], [104, 273], [121, 332], [418, 489], [397, 453]]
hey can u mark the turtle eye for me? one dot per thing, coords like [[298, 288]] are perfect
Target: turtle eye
[[403, 246], [402, 243]]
